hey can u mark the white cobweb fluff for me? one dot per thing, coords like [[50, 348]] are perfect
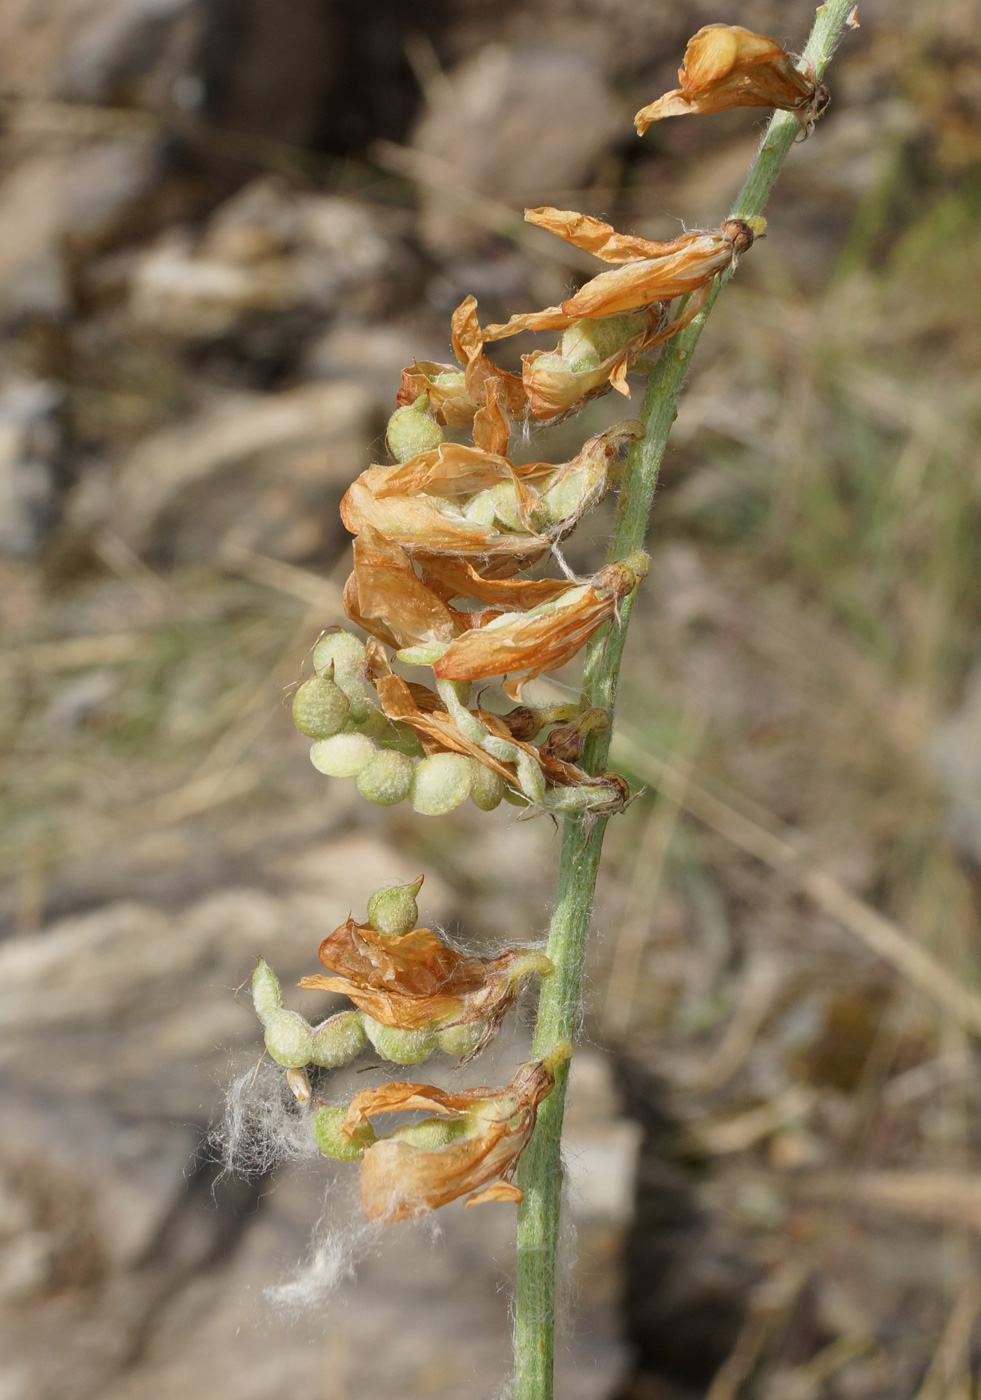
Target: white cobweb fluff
[[262, 1125], [332, 1258]]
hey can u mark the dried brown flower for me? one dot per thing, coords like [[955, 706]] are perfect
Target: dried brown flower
[[415, 982], [728, 66], [400, 1180], [543, 639], [650, 272], [473, 502]]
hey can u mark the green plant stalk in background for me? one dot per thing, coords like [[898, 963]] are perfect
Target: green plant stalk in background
[[540, 1169]]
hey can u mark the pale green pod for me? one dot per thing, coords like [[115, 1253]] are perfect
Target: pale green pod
[[349, 659], [343, 755], [460, 1040], [440, 782], [338, 1040], [486, 787], [585, 345], [505, 503], [481, 509], [326, 1128], [267, 996], [432, 1133], [412, 430], [426, 654], [320, 708], [393, 910], [289, 1039], [399, 1046], [386, 778]]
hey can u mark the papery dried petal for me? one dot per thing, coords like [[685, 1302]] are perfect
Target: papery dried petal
[[651, 272], [462, 500], [400, 1181], [415, 982], [728, 66], [388, 599], [539, 641]]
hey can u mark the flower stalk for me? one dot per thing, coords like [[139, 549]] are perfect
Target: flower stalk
[[540, 1168]]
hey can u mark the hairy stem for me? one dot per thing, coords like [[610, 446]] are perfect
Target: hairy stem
[[540, 1171]]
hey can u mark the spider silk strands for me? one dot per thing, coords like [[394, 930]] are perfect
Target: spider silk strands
[[540, 1169]]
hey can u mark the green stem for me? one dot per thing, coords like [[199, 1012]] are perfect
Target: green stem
[[540, 1171]]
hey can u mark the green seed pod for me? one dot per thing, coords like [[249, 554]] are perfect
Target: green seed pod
[[401, 1047], [326, 1128], [386, 778], [393, 910], [338, 1040], [588, 343], [505, 503], [460, 1040], [431, 1133], [486, 787], [412, 430], [514, 799], [349, 658], [440, 783], [343, 755], [267, 997], [289, 1039], [320, 708]]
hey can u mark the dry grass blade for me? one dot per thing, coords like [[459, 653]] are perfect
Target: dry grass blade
[[885, 938], [949, 1358]]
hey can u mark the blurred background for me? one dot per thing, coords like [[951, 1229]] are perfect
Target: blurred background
[[224, 228]]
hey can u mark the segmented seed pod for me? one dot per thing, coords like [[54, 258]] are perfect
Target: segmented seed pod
[[348, 657], [440, 783], [412, 430], [400, 1046], [432, 1133], [267, 996], [486, 786], [386, 778], [320, 707], [461, 1040], [326, 1128], [289, 1039], [339, 1040], [343, 755], [393, 911]]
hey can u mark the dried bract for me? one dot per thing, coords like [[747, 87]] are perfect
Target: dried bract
[[728, 66]]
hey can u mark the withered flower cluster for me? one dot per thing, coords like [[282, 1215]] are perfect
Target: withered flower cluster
[[414, 995], [449, 538]]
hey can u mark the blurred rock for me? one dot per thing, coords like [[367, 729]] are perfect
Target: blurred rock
[[520, 125], [954, 752], [30, 444], [291, 454], [270, 249], [95, 50], [52, 202]]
